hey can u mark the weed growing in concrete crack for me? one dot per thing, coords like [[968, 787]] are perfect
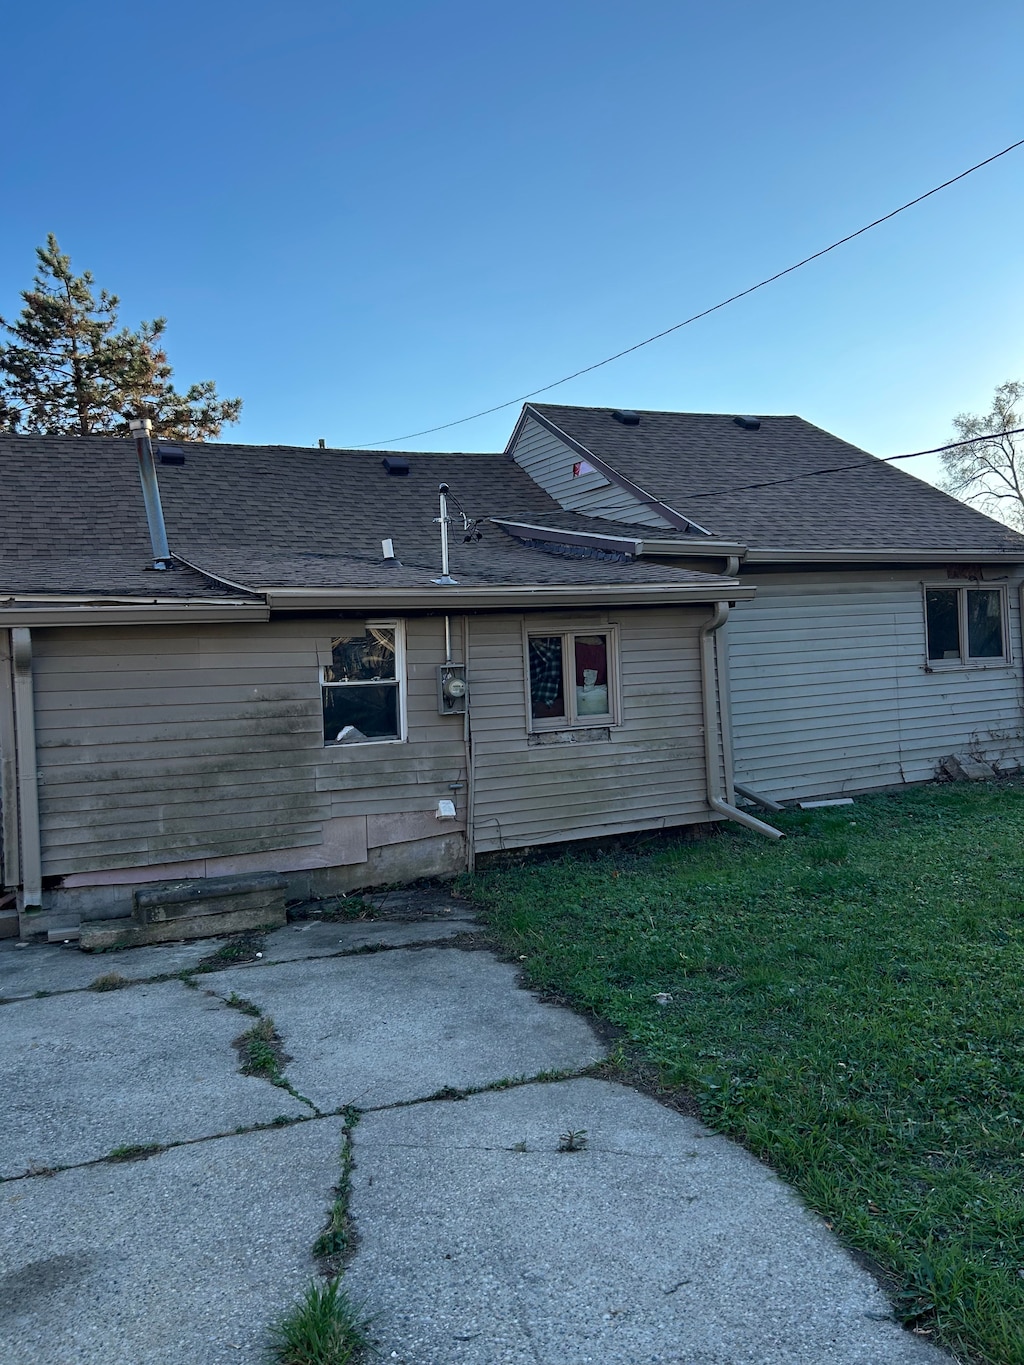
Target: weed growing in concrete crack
[[573, 1140], [110, 981], [239, 1002], [244, 948], [335, 1242], [324, 1328], [133, 1151], [261, 1051]]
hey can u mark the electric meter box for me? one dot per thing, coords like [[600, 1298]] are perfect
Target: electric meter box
[[452, 689]]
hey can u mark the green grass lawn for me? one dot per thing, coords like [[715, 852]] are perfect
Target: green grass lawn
[[845, 1002]]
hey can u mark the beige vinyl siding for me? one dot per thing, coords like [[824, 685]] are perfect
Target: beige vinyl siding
[[648, 774], [169, 744], [549, 462], [831, 693]]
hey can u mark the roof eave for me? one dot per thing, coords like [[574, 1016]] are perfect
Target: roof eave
[[894, 554], [96, 612], [457, 598]]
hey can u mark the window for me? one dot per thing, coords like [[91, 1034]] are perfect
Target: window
[[362, 685], [966, 626], [571, 679]]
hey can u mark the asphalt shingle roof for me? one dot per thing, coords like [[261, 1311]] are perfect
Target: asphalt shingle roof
[[701, 465], [72, 520]]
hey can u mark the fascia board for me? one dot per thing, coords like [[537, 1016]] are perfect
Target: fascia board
[[712, 549], [696, 549], [894, 555], [91, 614], [560, 537], [459, 599]]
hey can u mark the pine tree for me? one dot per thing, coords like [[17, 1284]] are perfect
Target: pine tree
[[69, 370]]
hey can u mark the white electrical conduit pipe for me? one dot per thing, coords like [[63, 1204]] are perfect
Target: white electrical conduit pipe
[[710, 694]]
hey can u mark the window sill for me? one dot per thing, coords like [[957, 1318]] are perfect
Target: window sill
[[335, 748], [958, 665], [584, 734]]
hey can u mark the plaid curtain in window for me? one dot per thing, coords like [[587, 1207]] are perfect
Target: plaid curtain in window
[[546, 670]]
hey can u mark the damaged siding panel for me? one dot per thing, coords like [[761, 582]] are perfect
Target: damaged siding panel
[[647, 773], [549, 462], [830, 690], [114, 795]]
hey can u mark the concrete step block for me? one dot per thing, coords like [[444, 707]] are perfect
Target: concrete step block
[[129, 932]]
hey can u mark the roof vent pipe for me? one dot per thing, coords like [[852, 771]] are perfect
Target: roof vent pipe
[[446, 579], [141, 429]]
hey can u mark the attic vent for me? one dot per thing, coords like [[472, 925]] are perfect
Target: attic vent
[[395, 466], [626, 417], [748, 423], [170, 455]]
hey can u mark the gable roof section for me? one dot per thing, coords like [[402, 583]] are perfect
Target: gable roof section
[[301, 527], [727, 479]]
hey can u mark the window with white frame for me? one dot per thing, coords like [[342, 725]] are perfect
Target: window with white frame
[[571, 678], [966, 626], [362, 685]]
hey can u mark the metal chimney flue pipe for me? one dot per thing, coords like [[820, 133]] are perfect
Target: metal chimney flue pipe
[[141, 429]]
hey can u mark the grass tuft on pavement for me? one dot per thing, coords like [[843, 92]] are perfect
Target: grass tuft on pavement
[[847, 1003], [324, 1328]]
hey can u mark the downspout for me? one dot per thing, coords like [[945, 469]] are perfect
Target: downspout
[[467, 736], [28, 777], [712, 717], [9, 852]]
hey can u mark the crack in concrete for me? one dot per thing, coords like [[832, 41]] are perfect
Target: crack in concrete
[[191, 977], [349, 1112]]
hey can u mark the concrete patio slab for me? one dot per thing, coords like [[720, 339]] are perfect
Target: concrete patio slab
[[82, 1074], [387, 1027], [53, 967], [660, 1242], [188, 1256], [314, 938]]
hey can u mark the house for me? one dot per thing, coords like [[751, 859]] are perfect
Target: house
[[885, 631], [261, 659]]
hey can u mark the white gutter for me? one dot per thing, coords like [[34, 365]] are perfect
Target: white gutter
[[28, 777], [10, 853], [712, 716]]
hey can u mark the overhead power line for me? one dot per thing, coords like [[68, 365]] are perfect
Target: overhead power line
[[857, 464], [706, 312]]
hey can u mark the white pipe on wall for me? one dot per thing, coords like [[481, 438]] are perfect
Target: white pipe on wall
[[709, 688]]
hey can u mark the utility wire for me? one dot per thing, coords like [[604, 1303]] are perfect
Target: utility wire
[[859, 464], [587, 369]]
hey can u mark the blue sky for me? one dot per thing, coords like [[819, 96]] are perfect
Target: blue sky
[[366, 219]]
